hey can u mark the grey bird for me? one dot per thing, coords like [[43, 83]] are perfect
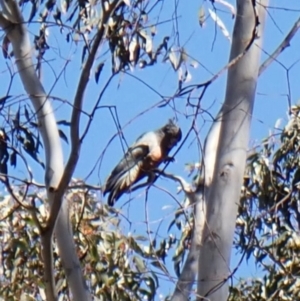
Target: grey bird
[[145, 155]]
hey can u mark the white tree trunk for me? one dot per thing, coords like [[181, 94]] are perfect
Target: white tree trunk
[[189, 271], [225, 161], [12, 22]]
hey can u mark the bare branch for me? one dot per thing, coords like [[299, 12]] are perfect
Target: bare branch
[[185, 186], [75, 119], [283, 45], [18, 36], [189, 271], [59, 214]]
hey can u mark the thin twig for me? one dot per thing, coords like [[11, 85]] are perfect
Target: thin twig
[[284, 44]]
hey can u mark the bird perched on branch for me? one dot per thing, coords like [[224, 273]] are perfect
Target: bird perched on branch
[[146, 154]]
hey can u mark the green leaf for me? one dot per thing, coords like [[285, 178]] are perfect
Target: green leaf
[[3, 100], [63, 122], [158, 265], [139, 263], [98, 71], [13, 158], [140, 238], [63, 136]]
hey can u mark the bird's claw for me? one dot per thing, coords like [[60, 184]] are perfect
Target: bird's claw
[[169, 159]]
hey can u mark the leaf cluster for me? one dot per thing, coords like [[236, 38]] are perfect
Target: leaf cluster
[[117, 266], [269, 217]]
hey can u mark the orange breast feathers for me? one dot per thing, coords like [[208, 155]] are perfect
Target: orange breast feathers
[[155, 155], [153, 141]]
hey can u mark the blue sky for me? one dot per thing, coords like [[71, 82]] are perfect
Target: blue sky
[[131, 97]]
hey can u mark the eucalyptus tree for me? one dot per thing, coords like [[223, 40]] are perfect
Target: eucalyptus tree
[[59, 238]]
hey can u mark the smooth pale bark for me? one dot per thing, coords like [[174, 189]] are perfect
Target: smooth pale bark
[[188, 274], [225, 154], [12, 22]]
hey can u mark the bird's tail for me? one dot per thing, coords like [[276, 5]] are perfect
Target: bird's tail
[[116, 186]]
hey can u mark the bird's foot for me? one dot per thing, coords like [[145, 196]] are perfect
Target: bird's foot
[[169, 159], [151, 179]]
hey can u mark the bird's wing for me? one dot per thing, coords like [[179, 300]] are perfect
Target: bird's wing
[[134, 165], [134, 154], [126, 173]]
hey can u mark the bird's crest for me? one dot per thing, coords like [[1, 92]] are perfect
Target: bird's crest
[[172, 129]]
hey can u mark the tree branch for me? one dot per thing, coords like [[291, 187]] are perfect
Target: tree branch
[[4, 23], [75, 119], [185, 186], [59, 213], [18, 36], [225, 170], [189, 271], [283, 45]]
